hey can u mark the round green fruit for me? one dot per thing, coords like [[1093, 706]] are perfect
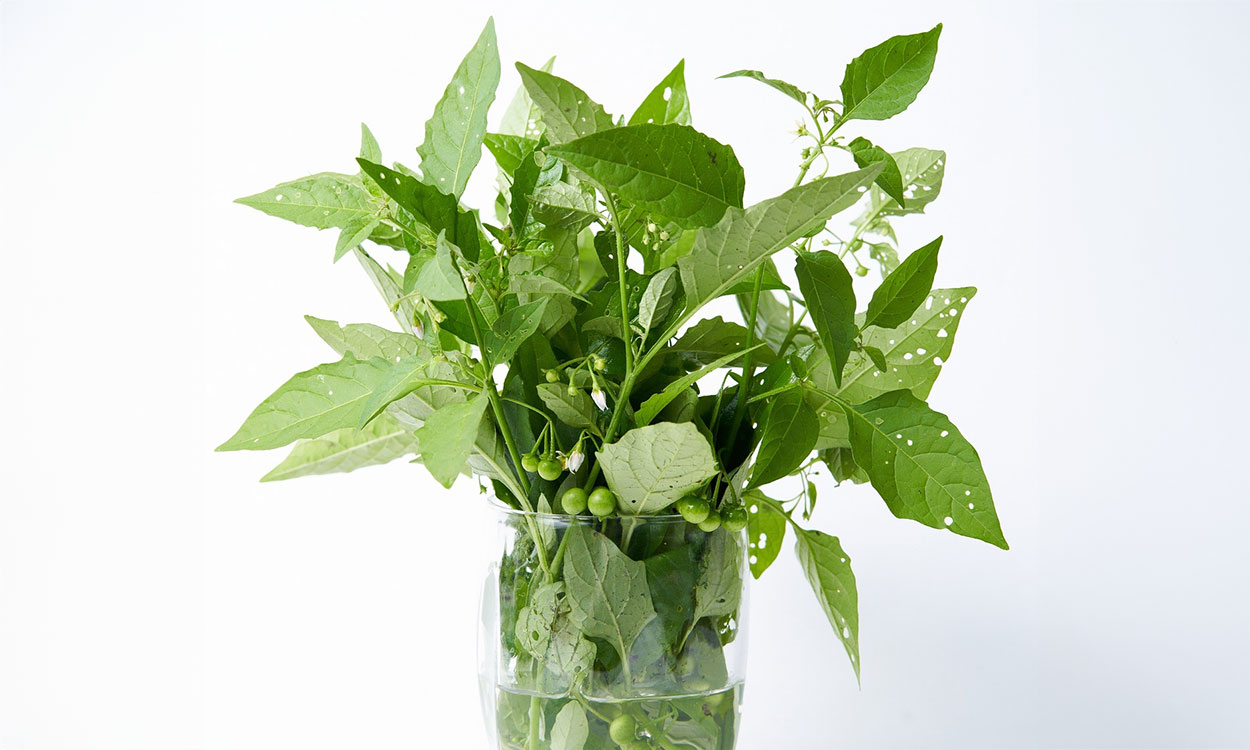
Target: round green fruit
[[550, 469], [623, 729], [553, 376], [734, 519], [574, 501], [711, 523], [693, 508], [529, 462], [601, 502]]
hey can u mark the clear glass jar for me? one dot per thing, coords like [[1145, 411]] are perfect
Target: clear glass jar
[[627, 632]]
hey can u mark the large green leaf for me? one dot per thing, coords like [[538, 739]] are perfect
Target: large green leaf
[[789, 89], [901, 292], [828, 570], [571, 728], [567, 111], [607, 590], [402, 378], [671, 578], [667, 102], [728, 253], [830, 297], [545, 630], [381, 441], [788, 434], [766, 528], [922, 466], [312, 403], [719, 589], [447, 438], [365, 340], [885, 79], [651, 467], [710, 339], [672, 170], [433, 210], [453, 135], [326, 200]]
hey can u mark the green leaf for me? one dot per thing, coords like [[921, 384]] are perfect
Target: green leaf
[[728, 253], [509, 150], [652, 407], [885, 79], [369, 148], [513, 328], [828, 570], [672, 170], [922, 170], [522, 117], [671, 578], [789, 89], [568, 112], [365, 340], [346, 450], [433, 210], [453, 135], [877, 357], [326, 200], [575, 411], [438, 279], [891, 179], [766, 528], [651, 467], [571, 729], [904, 290], [564, 205], [545, 630], [312, 403], [830, 297], [403, 308], [657, 299], [447, 438], [355, 231], [922, 466], [788, 434], [402, 378], [719, 590], [607, 590], [667, 102], [842, 466], [709, 340]]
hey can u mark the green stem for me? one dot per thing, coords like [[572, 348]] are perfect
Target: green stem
[[748, 365], [536, 716], [621, 280]]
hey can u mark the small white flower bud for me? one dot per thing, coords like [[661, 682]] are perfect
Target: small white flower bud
[[574, 460], [651, 227], [599, 398]]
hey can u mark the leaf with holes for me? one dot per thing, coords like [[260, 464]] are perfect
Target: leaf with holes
[[891, 179], [324, 201], [522, 117], [447, 438], [922, 170], [667, 102], [788, 434], [885, 79], [453, 135], [567, 112], [672, 170], [513, 328], [829, 294], [607, 590], [546, 631], [789, 89], [904, 290], [766, 529], [828, 570], [923, 467], [650, 468], [346, 450]]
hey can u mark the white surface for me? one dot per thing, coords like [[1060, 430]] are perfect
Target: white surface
[[153, 595]]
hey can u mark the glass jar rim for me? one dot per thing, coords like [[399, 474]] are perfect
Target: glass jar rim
[[506, 509]]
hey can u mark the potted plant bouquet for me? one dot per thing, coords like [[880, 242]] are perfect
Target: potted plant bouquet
[[642, 455]]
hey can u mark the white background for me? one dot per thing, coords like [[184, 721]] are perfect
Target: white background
[[153, 595]]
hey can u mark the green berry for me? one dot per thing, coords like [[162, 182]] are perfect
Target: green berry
[[693, 508], [550, 469], [861, 270], [734, 519], [529, 462], [602, 502], [572, 390], [711, 523], [574, 501], [553, 376], [623, 729]]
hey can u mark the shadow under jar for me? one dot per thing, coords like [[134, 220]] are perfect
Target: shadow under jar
[[625, 632]]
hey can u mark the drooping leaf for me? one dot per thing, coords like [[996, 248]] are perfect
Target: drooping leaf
[[788, 435], [885, 79], [657, 299], [652, 407], [650, 468], [667, 102], [346, 450], [513, 328], [766, 529], [571, 729], [903, 291], [830, 297], [432, 210], [719, 589], [453, 135], [312, 403], [789, 89], [891, 179], [447, 438], [576, 411], [877, 357], [326, 200], [728, 253], [828, 570], [567, 111], [672, 170], [607, 590], [922, 466], [365, 340]]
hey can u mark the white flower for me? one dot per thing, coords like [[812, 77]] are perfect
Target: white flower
[[600, 400], [574, 460]]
